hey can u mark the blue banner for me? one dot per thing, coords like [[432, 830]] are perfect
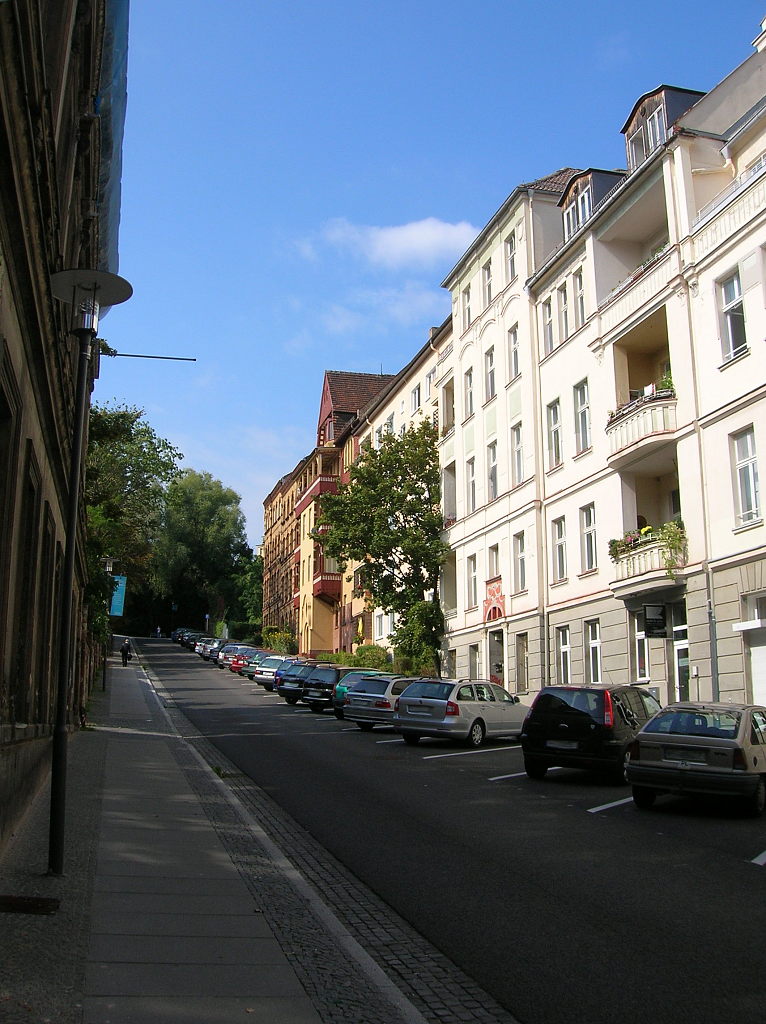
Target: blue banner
[[118, 597]]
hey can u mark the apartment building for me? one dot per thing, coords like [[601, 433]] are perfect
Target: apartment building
[[280, 542], [603, 413]]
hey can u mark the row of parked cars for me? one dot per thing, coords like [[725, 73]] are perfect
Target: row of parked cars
[[687, 748]]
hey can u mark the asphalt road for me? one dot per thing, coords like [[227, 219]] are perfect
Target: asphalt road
[[560, 898]]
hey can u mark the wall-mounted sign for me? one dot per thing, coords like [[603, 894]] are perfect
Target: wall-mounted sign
[[655, 624], [118, 597]]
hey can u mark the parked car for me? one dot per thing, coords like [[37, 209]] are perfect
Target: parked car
[[227, 652], [210, 651], [370, 701], [584, 727], [290, 683], [459, 709], [190, 637], [200, 643], [248, 669], [342, 686], [263, 672], [319, 685], [702, 749], [240, 659]]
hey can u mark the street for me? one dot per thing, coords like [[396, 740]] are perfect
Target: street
[[558, 897]]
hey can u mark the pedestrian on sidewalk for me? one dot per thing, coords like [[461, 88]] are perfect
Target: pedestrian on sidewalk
[[125, 651]]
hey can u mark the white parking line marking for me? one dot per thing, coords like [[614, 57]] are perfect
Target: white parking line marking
[[462, 753], [397, 740], [760, 860], [606, 807], [517, 775]]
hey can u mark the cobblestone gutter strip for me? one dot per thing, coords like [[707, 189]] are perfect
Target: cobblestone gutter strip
[[338, 988]]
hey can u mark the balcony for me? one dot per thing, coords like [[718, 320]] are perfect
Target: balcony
[[327, 586], [318, 486], [647, 559], [641, 427], [633, 295]]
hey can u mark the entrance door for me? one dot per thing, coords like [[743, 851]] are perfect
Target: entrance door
[[497, 656], [757, 642], [681, 652]]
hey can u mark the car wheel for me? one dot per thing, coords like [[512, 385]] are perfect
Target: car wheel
[[365, 726], [291, 700], [412, 738], [476, 734], [316, 708], [338, 713], [643, 797], [756, 803], [535, 769]]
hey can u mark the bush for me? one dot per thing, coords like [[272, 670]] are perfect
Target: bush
[[279, 640], [372, 656]]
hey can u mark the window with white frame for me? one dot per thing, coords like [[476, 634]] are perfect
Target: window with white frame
[[470, 485], [519, 563], [486, 282], [559, 549], [553, 414], [655, 129], [388, 426], [474, 661], [415, 398], [577, 212], [517, 455], [468, 393], [492, 489], [582, 416], [493, 561], [510, 257], [747, 496], [637, 151], [430, 381], [563, 656], [378, 436], [640, 648], [733, 335], [379, 625], [466, 306], [547, 326], [588, 537], [593, 641], [471, 583], [579, 298], [513, 351], [489, 373], [562, 297], [522, 659]]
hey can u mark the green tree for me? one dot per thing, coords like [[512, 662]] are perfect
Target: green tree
[[128, 467], [387, 523], [201, 550]]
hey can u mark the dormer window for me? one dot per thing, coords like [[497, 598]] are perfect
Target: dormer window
[[577, 211], [649, 134]]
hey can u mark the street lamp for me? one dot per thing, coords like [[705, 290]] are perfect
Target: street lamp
[[86, 292]]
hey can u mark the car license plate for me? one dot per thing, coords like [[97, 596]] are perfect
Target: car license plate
[[685, 754], [561, 744], [314, 693]]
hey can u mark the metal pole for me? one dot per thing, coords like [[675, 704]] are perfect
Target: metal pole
[[59, 746]]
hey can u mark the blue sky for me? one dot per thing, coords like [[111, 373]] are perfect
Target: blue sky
[[299, 178]]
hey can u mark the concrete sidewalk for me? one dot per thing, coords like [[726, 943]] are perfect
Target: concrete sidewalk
[[155, 922]]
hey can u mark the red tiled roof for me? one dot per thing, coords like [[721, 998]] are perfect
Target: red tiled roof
[[555, 182], [350, 392]]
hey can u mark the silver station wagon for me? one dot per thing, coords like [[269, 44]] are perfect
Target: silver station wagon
[[370, 702], [459, 709]]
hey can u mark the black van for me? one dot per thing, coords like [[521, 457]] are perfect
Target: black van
[[584, 727]]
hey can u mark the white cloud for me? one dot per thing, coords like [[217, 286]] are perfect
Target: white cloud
[[374, 310], [421, 243]]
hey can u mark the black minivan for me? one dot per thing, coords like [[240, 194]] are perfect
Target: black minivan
[[584, 727]]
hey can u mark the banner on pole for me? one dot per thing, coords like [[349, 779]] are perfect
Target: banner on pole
[[118, 597]]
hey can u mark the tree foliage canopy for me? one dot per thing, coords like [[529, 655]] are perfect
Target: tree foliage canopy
[[387, 523]]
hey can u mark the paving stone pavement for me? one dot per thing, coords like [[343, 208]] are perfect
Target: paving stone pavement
[[285, 958]]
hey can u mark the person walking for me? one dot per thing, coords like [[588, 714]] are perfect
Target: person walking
[[125, 651]]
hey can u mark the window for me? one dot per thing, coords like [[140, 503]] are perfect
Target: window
[[493, 561], [513, 350], [582, 416], [579, 299], [430, 381], [640, 658], [517, 455], [448, 407], [588, 537], [388, 426], [522, 657], [746, 470], [563, 310], [379, 625], [486, 282], [472, 591], [733, 338], [466, 301], [519, 563], [593, 640], [489, 373], [474, 661], [637, 149], [510, 256], [415, 398], [492, 490], [655, 129], [559, 538], [547, 327], [470, 485], [577, 212], [563, 656], [554, 434], [468, 392], [378, 436]]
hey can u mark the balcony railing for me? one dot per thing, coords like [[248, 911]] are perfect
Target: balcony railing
[[327, 585], [649, 550], [652, 414], [319, 485]]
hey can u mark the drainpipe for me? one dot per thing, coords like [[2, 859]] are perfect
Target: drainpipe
[[712, 627]]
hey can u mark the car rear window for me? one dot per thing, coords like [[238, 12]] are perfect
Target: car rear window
[[271, 662], [324, 675], [697, 722], [558, 699], [372, 684], [434, 691]]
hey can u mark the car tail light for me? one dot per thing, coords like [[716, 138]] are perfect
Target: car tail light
[[739, 761], [396, 705], [452, 708], [608, 709], [383, 703]]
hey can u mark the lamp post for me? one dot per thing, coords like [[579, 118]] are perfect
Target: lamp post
[[86, 292]]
